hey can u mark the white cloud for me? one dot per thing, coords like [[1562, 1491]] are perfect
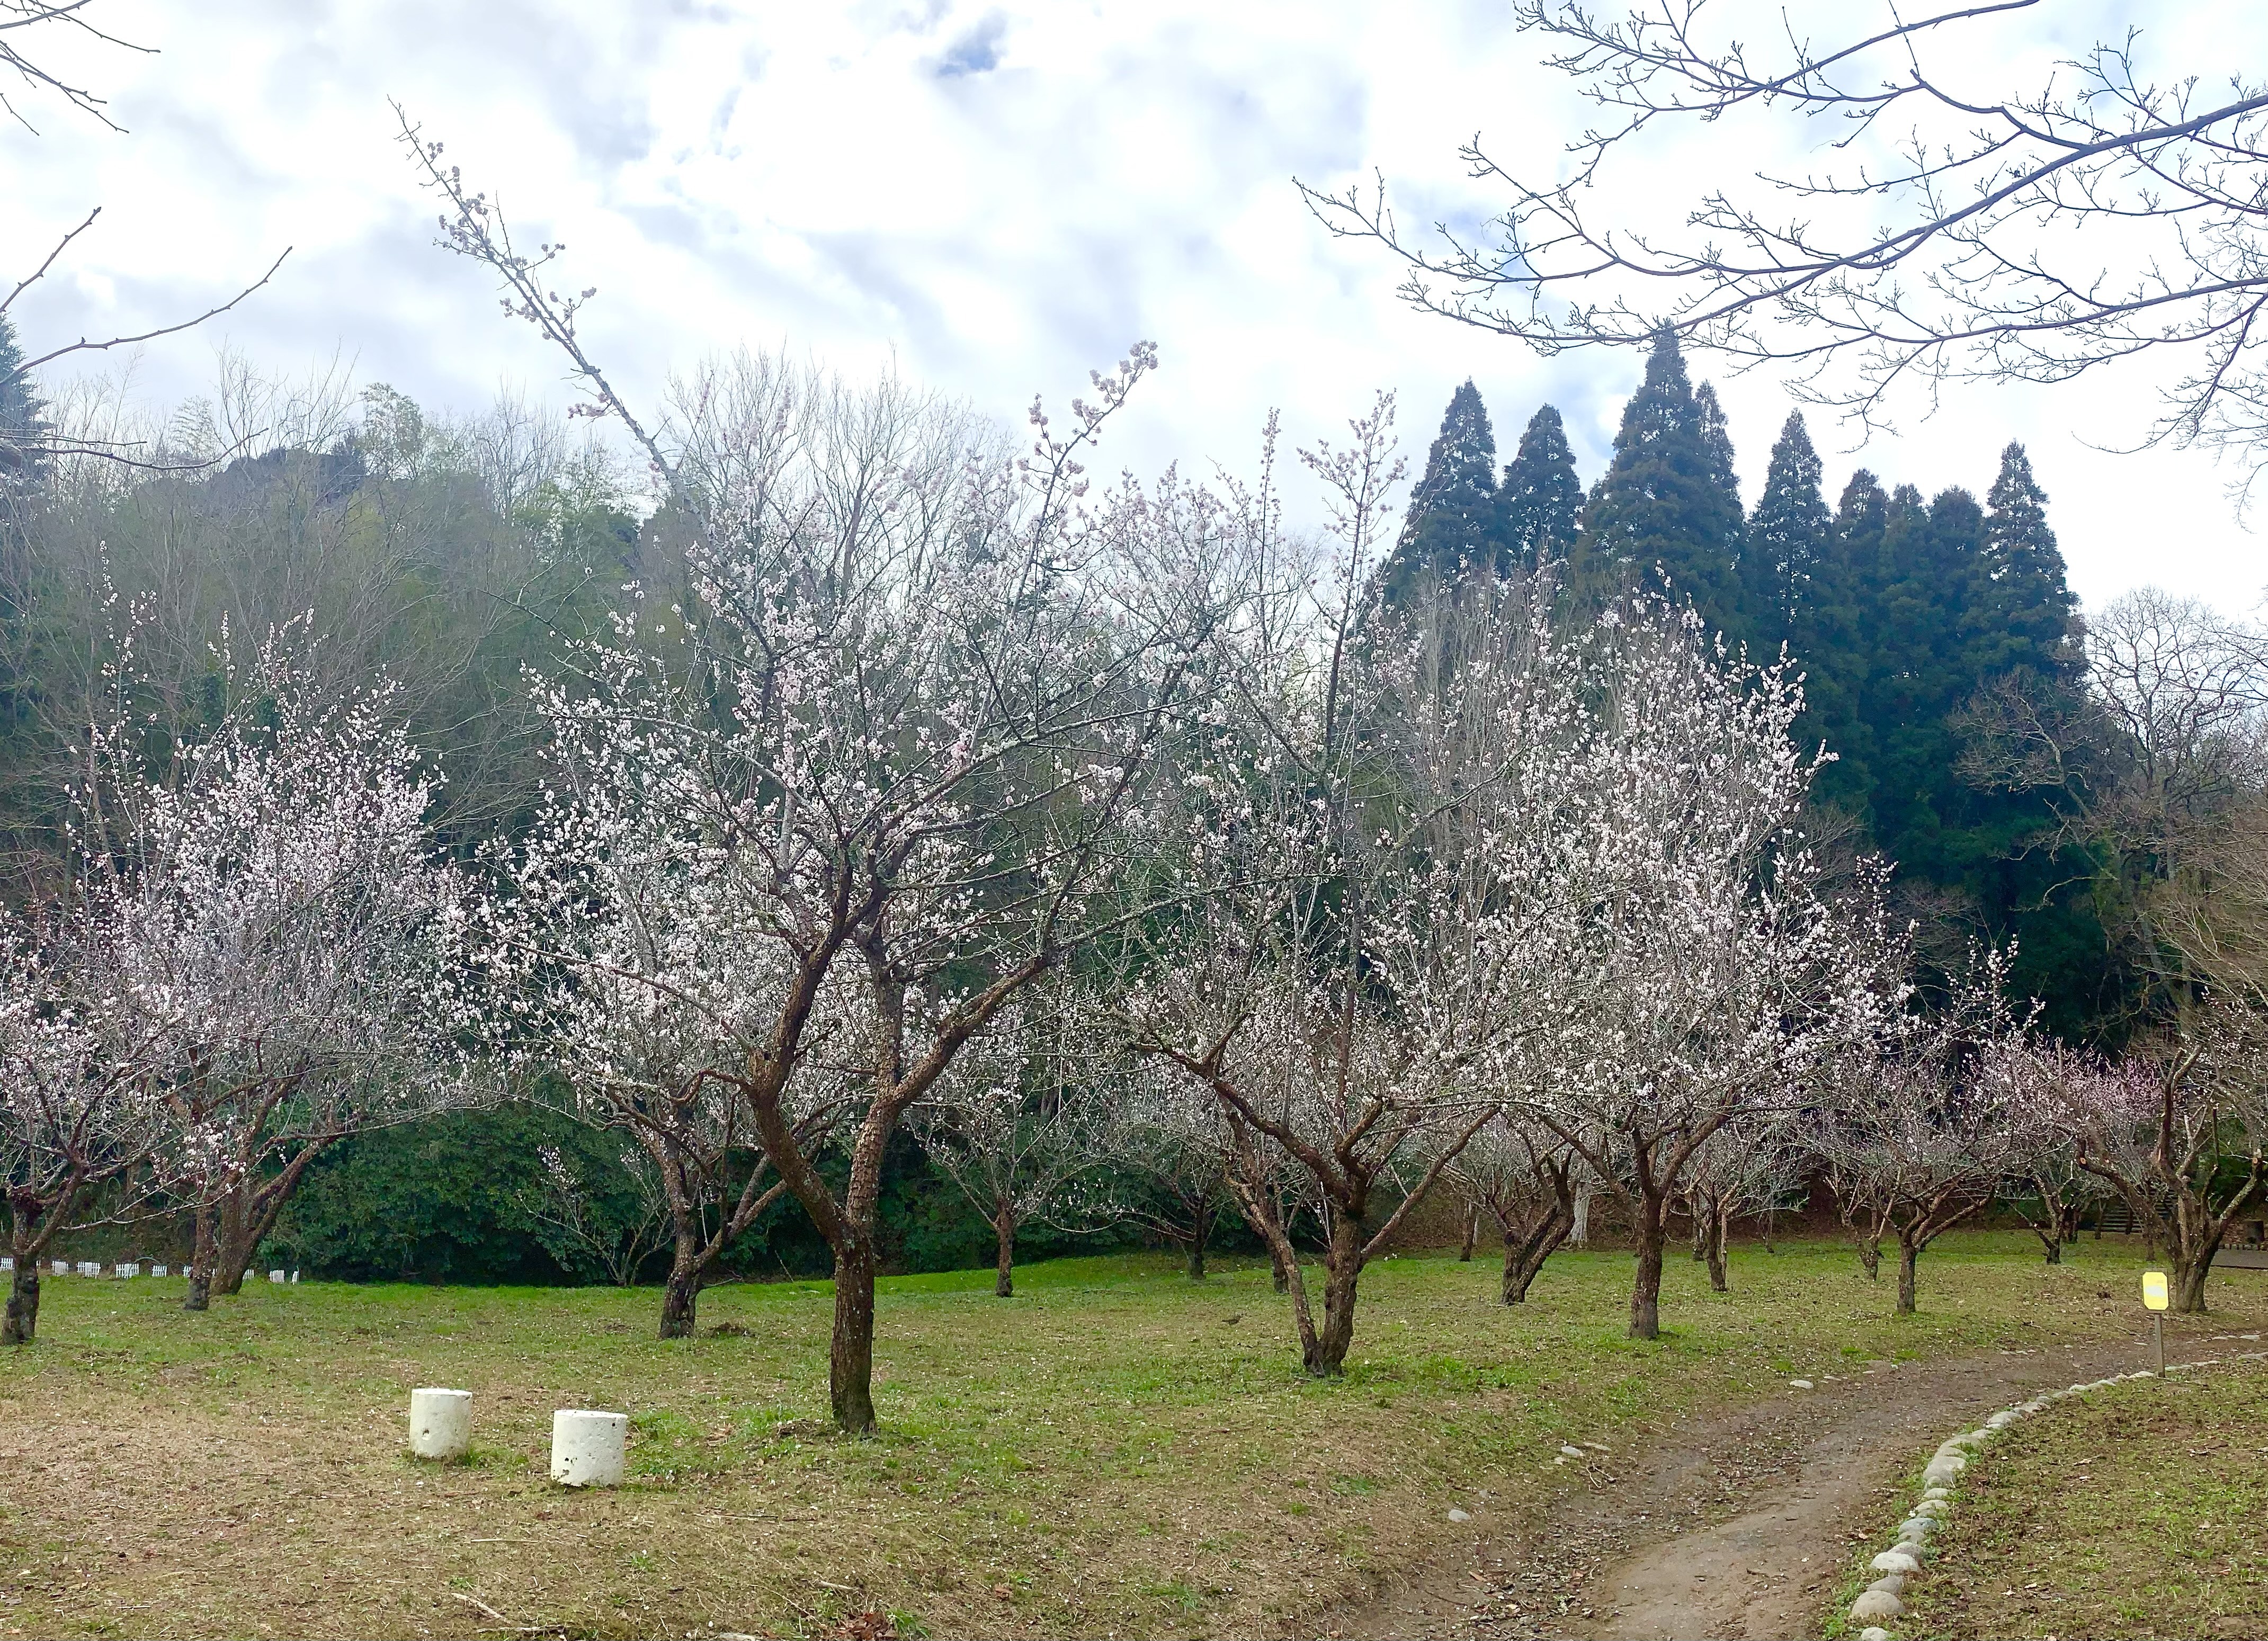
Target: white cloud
[[997, 196]]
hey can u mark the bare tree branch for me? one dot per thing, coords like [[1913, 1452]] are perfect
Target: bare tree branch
[[2029, 239], [16, 16]]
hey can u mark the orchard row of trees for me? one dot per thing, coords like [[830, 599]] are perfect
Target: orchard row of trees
[[928, 788]]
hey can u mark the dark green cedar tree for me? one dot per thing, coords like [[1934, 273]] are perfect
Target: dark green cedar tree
[[1668, 510], [1541, 500], [1453, 521]]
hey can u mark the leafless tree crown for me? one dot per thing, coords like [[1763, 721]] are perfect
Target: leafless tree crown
[[1946, 236]]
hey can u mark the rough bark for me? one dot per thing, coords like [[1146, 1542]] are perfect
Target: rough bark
[[23, 1320], [1526, 1248], [1645, 1291], [1716, 1249], [851, 1352], [232, 1247], [1324, 1351], [1003, 1231], [1908, 1252], [1196, 1255], [203, 1251], [680, 1293], [1581, 1236], [1472, 1231]]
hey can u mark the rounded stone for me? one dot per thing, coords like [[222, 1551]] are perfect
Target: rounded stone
[[1917, 1526], [1895, 1561], [2001, 1420], [1875, 1632], [1876, 1604], [1933, 1508], [1890, 1584], [1941, 1471]]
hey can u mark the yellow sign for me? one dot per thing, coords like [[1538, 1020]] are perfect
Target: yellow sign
[[2154, 1289]]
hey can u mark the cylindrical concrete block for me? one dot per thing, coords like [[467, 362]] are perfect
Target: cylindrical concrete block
[[440, 1423], [586, 1447]]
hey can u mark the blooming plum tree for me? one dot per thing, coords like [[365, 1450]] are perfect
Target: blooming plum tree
[[1919, 1126], [270, 924]]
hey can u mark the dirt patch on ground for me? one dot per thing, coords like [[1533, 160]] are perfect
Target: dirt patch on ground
[[1740, 1525]]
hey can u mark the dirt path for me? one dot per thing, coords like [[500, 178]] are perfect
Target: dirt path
[[1736, 1527]]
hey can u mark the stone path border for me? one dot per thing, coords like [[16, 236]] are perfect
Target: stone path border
[[1901, 1564]]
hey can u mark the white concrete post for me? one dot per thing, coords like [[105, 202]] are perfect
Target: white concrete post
[[295, 1278], [440, 1423], [90, 1268], [63, 1268], [586, 1447], [129, 1268], [276, 1276], [159, 1270], [7, 1261]]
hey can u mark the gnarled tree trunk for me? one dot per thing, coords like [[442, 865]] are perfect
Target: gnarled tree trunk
[[23, 1321], [1004, 1233], [851, 1352], [681, 1292], [1717, 1215], [1323, 1352], [1645, 1291], [232, 1246], [203, 1251], [1526, 1247]]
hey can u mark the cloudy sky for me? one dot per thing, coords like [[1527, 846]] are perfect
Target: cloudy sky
[[994, 197]]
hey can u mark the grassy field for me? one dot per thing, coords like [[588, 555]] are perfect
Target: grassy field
[[2141, 1509], [1115, 1450]]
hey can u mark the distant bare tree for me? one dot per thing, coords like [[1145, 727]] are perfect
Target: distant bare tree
[[2146, 771], [1524, 1178], [1919, 1126], [1963, 236], [1169, 1145], [1018, 1127], [560, 1201]]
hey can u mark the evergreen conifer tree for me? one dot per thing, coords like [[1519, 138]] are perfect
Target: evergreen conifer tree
[[1840, 658], [24, 430], [1541, 500], [1452, 521], [1668, 508], [2022, 608], [1786, 548]]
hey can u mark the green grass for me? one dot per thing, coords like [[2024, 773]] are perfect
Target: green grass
[[1115, 1450], [2140, 1510]]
